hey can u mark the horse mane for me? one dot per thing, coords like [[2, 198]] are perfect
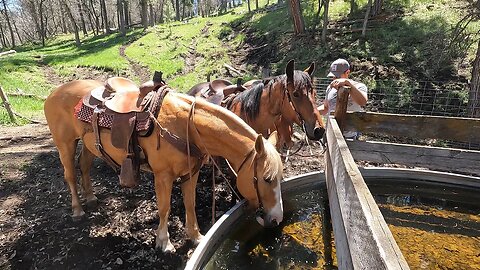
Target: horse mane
[[250, 101]]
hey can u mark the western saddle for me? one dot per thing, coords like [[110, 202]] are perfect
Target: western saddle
[[129, 111], [221, 92]]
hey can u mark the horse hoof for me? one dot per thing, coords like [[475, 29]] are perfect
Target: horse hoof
[[166, 247], [91, 204], [79, 217], [197, 240]]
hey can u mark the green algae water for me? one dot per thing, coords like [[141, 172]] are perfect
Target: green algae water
[[437, 226]]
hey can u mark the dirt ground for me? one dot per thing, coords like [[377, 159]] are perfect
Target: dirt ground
[[37, 231]]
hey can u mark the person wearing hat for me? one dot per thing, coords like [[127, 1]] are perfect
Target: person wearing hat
[[339, 72]]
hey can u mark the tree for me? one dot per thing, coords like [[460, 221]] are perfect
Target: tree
[[144, 13], [377, 7], [297, 18], [474, 94], [7, 17], [121, 18], [74, 24], [353, 7], [325, 21], [365, 21], [103, 9]]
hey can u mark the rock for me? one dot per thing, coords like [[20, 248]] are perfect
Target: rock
[[119, 261]]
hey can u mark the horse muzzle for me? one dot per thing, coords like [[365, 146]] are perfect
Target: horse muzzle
[[268, 221], [314, 134]]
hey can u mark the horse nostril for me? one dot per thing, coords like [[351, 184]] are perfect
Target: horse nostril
[[318, 133]]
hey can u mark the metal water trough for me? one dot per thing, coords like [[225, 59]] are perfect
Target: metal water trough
[[223, 226]]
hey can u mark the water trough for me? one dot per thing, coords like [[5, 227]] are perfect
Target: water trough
[[218, 233]]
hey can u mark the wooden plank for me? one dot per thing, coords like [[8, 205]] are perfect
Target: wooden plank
[[7, 104], [7, 53], [370, 244], [416, 126], [341, 106], [453, 160]]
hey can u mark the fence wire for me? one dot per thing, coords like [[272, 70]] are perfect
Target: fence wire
[[416, 98]]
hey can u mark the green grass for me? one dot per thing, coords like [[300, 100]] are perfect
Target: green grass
[[414, 43]]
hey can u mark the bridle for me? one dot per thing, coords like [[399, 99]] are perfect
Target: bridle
[[260, 211]]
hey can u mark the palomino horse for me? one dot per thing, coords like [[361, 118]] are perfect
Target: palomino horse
[[280, 100], [214, 130]]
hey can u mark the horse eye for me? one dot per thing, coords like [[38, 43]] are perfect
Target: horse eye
[[296, 94], [268, 180]]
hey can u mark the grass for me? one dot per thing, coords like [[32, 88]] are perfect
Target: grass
[[404, 42]]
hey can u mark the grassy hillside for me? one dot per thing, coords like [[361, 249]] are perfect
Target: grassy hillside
[[409, 41]]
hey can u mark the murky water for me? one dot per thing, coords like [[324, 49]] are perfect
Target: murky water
[[436, 227]]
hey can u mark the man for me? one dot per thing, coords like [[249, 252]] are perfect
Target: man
[[339, 72]]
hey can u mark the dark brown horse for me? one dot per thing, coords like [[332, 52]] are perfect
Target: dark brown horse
[[280, 100], [214, 130]]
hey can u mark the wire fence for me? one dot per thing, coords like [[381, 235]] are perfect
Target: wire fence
[[416, 98], [419, 98]]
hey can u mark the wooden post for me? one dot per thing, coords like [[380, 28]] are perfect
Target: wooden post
[[7, 104], [341, 106]]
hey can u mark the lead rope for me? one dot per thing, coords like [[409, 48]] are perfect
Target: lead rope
[[191, 118]]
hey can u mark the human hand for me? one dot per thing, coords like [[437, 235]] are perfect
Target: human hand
[[339, 83]]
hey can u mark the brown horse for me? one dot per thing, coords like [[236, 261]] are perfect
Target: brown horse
[[281, 100], [214, 130]]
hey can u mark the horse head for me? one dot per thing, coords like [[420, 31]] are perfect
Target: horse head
[[259, 178], [302, 98]]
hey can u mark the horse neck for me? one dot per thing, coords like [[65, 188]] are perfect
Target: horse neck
[[220, 132], [275, 96]]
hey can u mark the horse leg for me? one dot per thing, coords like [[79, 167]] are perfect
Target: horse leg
[[85, 161], [188, 191], [163, 191], [67, 157]]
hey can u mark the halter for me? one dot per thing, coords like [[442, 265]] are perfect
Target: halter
[[260, 211], [294, 107]]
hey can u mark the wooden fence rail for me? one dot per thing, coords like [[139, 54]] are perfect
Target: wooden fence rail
[[362, 238]]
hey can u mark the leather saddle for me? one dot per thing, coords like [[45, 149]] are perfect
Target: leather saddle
[[220, 91], [126, 109]]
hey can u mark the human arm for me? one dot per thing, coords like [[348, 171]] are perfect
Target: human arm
[[357, 96]]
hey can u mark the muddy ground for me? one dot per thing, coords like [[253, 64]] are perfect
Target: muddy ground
[[37, 231]]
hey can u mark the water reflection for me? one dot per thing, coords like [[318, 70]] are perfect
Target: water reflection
[[436, 226]]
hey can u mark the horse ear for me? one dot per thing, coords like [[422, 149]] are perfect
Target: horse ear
[[289, 70], [273, 138], [310, 69], [259, 147]]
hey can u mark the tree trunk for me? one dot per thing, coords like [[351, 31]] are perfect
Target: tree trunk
[[18, 33], [256, 4], [126, 12], [121, 17], [2, 36], [325, 21], [161, 11], [377, 7], [353, 7], [143, 13], [296, 13], [248, 3], [151, 18], [103, 9], [474, 95], [365, 21], [12, 35], [82, 20], [177, 10], [42, 23], [74, 24]]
